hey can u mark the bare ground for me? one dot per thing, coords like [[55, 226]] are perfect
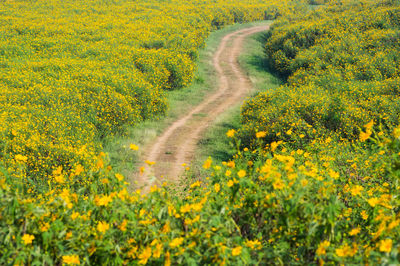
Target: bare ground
[[177, 144]]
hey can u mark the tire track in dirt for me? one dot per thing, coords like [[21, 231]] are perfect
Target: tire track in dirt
[[177, 144]]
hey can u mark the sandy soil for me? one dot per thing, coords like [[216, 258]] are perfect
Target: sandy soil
[[177, 144]]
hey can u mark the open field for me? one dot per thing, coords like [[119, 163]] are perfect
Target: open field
[[307, 172]]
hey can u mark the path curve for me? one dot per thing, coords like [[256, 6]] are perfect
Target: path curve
[[177, 144]]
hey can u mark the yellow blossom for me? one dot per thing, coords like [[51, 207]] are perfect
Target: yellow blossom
[[365, 135], [253, 244], [149, 163], [369, 125], [261, 134], [278, 184], [102, 227], [176, 242], [230, 133], [346, 251], [364, 215], [45, 227], [236, 251], [356, 190], [103, 201], [145, 255], [217, 187], [133, 147], [304, 182], [71, 259], [242, 173], [27, 238], [207, 163], [78, 169], [373, 201], [21, 158], [74, 215], [119, 177], [59, 179], [231, 164], [354, 231], [385, 245], [321, 250], [122, 226]]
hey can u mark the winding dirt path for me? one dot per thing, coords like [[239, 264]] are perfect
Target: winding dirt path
[[177, 144]]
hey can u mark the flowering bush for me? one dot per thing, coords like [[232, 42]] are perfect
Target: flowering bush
[[342, 67], [271, 204], [89, 69]]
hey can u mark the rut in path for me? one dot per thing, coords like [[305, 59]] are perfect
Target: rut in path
[[177, 144]]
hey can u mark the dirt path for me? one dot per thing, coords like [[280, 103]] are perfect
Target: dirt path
[[177, 143]]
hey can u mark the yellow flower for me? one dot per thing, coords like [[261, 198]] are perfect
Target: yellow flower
[[149, 163], [59, 179], [74, 215], [122, 227], [45, 227], [71, 259], [176, 242], [100, 163], [21, 158], [27, 238], [79, 169], [261, 134], [207, 163], [278, 184], [230, 133], [364, 215], [103, 201], [119, 177], [386, 245], [253, 244], [133, 147], [236, 251], [346, 251], [304, 182], [102, 227], [68, 235], [369, 126], [356, 190], [365, 135], [242, 173], [289, 132], [167, 259], [230, 164], [217, 187], [157, 251], [185, 208], [145, 255], [373, 201], [354, 231], [195, 184], [333, 174], [321, 250], [141, 170], [230, 183]]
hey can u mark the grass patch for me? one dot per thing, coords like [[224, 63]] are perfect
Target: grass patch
[[125, 160]]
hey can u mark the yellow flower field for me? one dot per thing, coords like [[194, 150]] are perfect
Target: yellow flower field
[[315, 177]]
